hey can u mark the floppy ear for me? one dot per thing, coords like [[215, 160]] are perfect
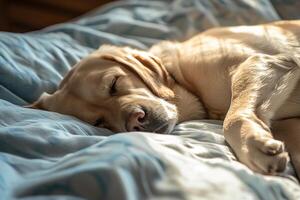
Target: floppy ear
[[148, 67]]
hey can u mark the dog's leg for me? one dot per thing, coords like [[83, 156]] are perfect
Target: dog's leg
[[289, 131], [260, 85]]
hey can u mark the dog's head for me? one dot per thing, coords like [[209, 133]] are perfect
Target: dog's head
[[121, 89]]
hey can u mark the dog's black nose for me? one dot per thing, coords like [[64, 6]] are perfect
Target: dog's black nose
[[135, 120]]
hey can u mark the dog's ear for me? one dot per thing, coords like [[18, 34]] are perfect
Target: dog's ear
[[148, 67]]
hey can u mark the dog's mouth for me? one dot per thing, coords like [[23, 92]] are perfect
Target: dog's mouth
[[164, 128]]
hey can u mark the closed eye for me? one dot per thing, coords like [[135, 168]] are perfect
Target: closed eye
[[113, 87], [99, 122]]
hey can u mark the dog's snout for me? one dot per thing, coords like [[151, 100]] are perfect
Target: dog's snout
[[135, 120]]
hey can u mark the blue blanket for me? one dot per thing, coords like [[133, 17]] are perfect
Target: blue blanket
[[45, 155]]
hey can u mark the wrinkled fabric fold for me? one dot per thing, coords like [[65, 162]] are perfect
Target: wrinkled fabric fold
[[46, 155]]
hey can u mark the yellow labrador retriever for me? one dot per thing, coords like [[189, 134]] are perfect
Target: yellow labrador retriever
[[247, 76]]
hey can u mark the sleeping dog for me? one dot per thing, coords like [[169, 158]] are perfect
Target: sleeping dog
[[247, 76]]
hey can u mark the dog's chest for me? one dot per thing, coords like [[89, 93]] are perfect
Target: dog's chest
[[215, 96], [291, 107]]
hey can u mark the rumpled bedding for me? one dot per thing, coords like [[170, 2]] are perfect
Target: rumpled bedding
[[46, 155]]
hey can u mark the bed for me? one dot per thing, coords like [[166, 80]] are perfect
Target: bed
[[46, 155]]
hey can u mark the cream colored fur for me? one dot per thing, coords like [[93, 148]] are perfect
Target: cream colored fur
[[247, 76]]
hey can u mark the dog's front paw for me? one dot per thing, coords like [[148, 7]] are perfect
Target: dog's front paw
[[264, 155]]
